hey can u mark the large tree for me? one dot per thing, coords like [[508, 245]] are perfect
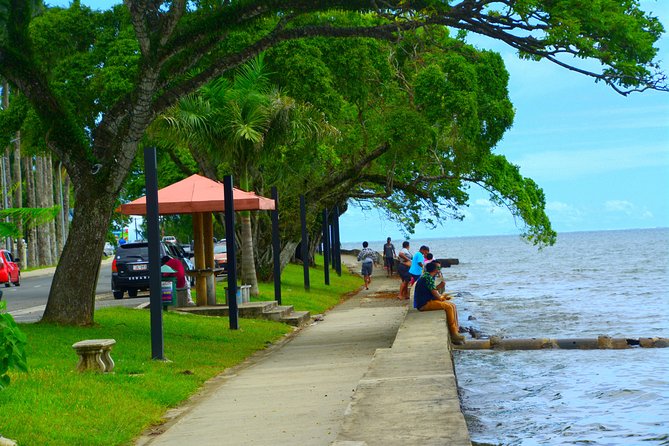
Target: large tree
[[97, 80]]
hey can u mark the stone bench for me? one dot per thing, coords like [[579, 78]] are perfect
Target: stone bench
[[95, 354]]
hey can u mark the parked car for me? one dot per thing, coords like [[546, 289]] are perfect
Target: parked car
[[108, 250], [170, 239], [130, 267], [10, 272], [221, 258]]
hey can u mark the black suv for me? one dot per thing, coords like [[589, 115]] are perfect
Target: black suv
[[130, 267]]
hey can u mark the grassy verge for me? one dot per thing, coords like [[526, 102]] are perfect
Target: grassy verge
[[318, 299], [55, 405]]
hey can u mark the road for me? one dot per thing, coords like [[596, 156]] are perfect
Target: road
[[27, 302]]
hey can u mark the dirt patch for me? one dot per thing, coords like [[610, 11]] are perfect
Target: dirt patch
[[382, 295]]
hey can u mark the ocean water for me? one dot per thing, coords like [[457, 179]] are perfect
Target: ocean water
[[614, 283]]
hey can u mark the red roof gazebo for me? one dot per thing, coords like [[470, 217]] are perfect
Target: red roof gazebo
[[200, 196]]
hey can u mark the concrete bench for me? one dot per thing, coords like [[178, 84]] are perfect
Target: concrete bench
[[95, 354]]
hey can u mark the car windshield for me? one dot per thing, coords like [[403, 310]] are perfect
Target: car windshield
[[220, 248]]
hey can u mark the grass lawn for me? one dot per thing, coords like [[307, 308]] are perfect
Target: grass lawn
[[55, 405], [318, 299]]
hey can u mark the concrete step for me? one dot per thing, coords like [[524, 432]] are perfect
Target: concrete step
[[255, 310], [279, 312], [297, 318], [252, 310]]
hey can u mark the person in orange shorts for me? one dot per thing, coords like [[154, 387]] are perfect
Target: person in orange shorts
[[427, 298]]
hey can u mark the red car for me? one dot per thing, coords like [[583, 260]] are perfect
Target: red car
[[9, 269]]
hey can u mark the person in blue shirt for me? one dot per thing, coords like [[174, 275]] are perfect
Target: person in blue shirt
[[417, 263], [427, 298]]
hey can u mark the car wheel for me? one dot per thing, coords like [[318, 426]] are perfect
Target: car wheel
[[132, 293], [18, 281], [8, 284], [118, 294]]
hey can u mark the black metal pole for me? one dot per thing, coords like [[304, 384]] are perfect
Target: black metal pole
[[332, 240], [305, 242], [153, 237], [230, 248], [326, 248], [276, 246], [337, 243]]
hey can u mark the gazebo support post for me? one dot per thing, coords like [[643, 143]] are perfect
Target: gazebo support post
[[232, 254], [305, 242], [326, 248], [198, 248], [208, 235], [276, 246]]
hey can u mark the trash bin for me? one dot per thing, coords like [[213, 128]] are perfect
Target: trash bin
[[246, 293], [168, 285], [238, 294]]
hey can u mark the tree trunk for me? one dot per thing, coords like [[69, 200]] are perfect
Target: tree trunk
[[18, 197], [7, 177], [288, 253], [31, 235], [85, 241], [50, 190], [248, 259], [60, 230], [43, 243], [66, 206]]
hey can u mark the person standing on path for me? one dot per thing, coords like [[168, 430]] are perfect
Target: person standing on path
[[389, 256], [427, 298], [417, 263], [367, 256], [403, 266]]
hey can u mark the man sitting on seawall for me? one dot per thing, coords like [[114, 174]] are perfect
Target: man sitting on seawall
[[427, 298]]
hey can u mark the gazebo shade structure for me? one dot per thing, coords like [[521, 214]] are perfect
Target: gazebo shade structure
[[197, 194], [200, 196]]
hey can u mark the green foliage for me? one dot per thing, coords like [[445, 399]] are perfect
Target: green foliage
[[91, 58], [318, 299], [12, 347], [521, 195]]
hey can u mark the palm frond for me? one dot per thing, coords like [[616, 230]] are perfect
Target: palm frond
[[31, 217]]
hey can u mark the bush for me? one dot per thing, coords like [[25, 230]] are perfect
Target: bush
[[12, 346]]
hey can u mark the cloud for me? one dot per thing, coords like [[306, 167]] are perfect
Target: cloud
[[558, 206], [628, 209], [623, 206]]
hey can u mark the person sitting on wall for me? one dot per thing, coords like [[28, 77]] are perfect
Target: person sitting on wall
[[427, 298], [183, 285]]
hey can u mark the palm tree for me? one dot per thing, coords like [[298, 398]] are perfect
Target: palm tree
[[238, 124]]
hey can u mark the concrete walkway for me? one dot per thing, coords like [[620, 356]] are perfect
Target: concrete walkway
[[297, 394]]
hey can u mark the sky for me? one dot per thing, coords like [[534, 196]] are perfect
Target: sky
[[602, 159]]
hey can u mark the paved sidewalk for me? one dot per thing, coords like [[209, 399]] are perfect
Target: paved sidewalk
[[297, 394]]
